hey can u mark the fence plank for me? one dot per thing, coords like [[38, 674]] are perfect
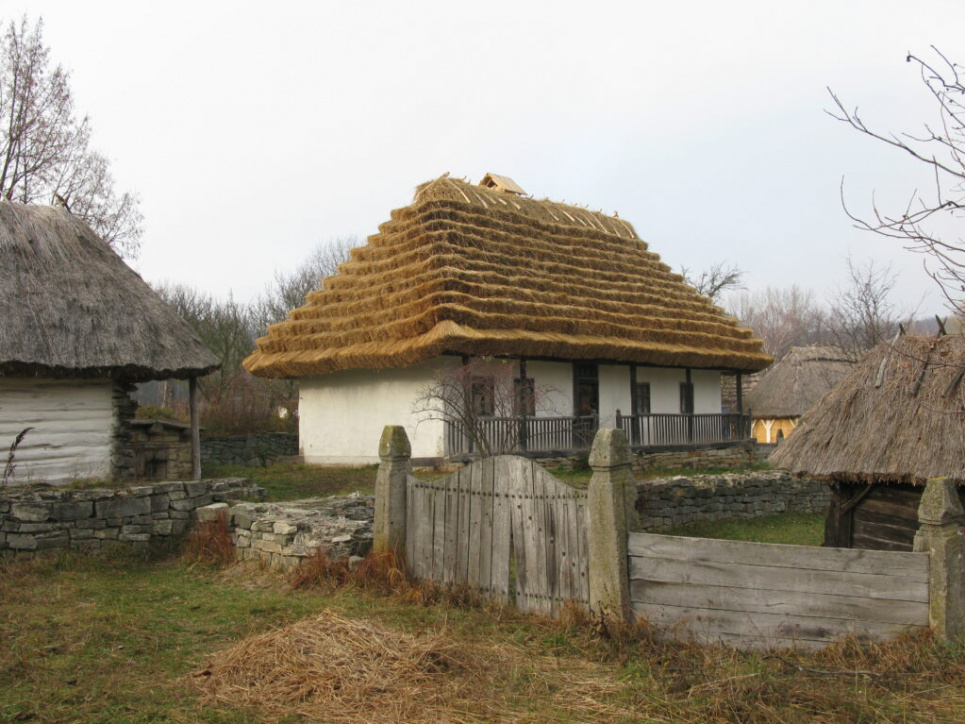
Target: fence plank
[[708, 625], [821, 605], [462, 533], [502, 531], [775, 554], [474, 535], [778, 578]]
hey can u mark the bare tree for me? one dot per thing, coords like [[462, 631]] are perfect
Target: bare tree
[[288, 291], [44, 149], [862, 314], [783, 318], [715, 280], [484, 402], [940, 146]]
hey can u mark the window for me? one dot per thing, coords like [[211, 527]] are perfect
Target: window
[[687, 398], [525, 396], [483, 396], [643, 399]]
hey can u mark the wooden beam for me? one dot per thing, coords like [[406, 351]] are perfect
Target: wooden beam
[[195, 428]]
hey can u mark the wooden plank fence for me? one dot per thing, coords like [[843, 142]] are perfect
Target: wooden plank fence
[[503, 526], [509, 529], [764, 595]]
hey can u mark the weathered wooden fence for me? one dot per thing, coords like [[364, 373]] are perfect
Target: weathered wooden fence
[[755, 594], [498, 517], [507, 514]]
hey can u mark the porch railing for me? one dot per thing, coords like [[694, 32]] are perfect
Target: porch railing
[[659, 429], [493, 435]]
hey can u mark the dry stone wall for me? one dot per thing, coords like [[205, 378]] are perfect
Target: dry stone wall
[[282, 535], [44, 518], [255, 450], [668, 503]]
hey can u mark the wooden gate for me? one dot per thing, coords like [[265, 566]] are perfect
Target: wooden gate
[[503, 526]]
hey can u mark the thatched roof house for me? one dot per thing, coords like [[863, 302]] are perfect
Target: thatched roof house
[[72, 308], [897, 419], [78, 327], [791, 387], [471, 270]]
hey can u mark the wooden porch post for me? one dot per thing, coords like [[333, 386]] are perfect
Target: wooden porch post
[[195, 428]]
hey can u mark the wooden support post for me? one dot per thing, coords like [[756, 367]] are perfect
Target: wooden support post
[[610, 515], [390, 490], [195, 428], [941, 517]]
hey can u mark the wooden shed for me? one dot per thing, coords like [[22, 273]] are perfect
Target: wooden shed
[[897, 419], [78, 328], [560, 296]]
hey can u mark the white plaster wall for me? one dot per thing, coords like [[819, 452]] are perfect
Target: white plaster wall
[[614, 393], [706, 391], [72, 425], [341, 416], [554, 387], [664, 387]]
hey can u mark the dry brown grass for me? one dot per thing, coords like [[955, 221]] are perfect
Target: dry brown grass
[[209, 543], [329, 668]]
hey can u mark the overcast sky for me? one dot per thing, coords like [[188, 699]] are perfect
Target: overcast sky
[[254, 131]]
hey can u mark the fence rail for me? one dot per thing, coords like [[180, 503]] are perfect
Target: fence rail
[[670, 429], [501, 435]]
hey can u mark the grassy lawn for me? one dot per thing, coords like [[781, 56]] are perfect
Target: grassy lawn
[[87, 640], [803, 529], [291, 481]]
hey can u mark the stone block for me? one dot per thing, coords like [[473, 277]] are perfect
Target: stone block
[[135, 537], [185, 506], [281, 527], [107, 534], [134, 530], [266, 545], [72, 510], [30, 512], [240, 518], [140, 491], [180, 515], [196, 489], [20, 542], [211, 512], [61, 540], [160, 502], [37, 527], [163, 527], [81, 534], [123, 507]]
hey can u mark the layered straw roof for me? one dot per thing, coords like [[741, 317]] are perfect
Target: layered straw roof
[[70, 307], [479, 271], [799, 380], [898, 416]]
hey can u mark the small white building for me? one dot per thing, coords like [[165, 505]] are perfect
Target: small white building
[[543, 320], [78, 328]]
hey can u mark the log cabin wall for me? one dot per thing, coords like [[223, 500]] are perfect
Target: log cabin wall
[[881, 517]]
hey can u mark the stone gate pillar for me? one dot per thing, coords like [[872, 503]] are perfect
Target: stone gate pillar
[[942, 518], [395, 454], [609, 523]]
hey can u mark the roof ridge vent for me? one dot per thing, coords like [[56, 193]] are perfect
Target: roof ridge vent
[[501, 183]]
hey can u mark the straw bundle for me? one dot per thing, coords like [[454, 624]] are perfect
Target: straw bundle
[[72, 308], [344, 671], [795, 384], [351, 670], [899, 416], [471, 270]]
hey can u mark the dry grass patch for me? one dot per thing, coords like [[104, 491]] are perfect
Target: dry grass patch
[[333, 669]]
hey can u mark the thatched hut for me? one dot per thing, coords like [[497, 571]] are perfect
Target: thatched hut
[[78, 328], [897, 419], [564, 298], [791, 387]]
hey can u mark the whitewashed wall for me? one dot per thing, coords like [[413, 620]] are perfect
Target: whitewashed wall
[[614, 393], [73, 426], [706, 391], [341, 415]]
